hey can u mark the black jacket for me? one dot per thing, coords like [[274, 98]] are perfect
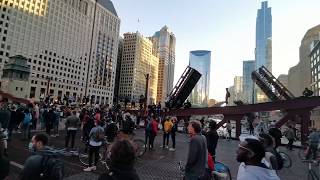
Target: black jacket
[[117, 174], [212, 141]]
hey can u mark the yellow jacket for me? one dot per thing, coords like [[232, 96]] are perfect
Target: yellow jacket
[[168, 126]]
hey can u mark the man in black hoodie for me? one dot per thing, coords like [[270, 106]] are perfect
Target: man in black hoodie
[[122, 162]]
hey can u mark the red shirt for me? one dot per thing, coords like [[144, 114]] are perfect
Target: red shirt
[[210, 162], [154, 127]]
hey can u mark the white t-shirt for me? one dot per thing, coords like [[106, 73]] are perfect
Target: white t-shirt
[[248, 172]]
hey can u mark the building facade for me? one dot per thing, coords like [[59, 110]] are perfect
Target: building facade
[[71, 46], [201, 61], [165, 42], [247, 83], [15, 77], [283, 78], [299, 76], [139, 58], [315, 68], [263, 50]]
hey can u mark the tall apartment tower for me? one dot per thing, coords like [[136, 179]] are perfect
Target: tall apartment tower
[[55, 36], [139, 58], [165, 42], [263, 51]]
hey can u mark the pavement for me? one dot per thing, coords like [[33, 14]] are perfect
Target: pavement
[[159, 164]]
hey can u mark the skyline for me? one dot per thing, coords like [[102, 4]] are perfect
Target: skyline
[[220, 36]]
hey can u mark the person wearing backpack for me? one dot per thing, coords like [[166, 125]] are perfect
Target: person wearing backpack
[[96, 137], [272, 159], [44, 163], [26, 123]]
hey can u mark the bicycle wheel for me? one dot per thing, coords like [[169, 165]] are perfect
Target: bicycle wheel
[[223, 170], [303, 152], [83, 156], [287, 163], [312, 175], [140, 147]]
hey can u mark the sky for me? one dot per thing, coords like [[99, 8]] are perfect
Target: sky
[[226, 28]]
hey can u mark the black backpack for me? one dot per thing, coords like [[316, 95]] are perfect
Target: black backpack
[[52, 168], [279, 159]]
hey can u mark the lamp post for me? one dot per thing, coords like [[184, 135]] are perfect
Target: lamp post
[[146, 91], [48, 85]]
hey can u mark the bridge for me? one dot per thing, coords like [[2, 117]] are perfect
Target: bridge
[[297, 110]]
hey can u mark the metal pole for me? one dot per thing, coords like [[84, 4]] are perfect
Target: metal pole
[[146, 92], [90, 51]]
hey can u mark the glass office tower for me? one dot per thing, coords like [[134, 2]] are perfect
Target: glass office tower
[[200, 60]]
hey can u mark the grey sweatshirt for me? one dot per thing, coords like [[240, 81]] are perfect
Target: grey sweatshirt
[[196, 162]]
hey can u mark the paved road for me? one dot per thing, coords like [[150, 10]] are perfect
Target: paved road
[[155, 165]]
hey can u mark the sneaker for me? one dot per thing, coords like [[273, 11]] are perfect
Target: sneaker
[[172, 149], [167, 147], [88, 169], [93, 168], [161, 146]]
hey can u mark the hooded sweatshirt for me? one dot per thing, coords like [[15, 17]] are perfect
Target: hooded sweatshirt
[[249, 172], [32, 166]]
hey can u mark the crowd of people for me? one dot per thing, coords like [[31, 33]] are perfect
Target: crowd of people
[[258, 155]]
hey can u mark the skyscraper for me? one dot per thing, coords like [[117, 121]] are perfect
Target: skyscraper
[[165, 42], [263, 51], [237, 83], [138, 59], [200, 60], [55, 37], [247, 84]]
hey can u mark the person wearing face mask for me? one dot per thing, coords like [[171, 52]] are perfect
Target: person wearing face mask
[[250, 154], [198, 154], [42, 162]]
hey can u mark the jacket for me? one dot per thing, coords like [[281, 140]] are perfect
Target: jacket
[[117, 174], [167, 126], [32, 165], [72, 123], [93, 134], [154, 127], [197, 156], [212, 141]]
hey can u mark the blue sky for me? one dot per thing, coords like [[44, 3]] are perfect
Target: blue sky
[[226, 27]]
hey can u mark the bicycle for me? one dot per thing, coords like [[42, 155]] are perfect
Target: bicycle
[[221, 172], [103, 155], [138, 143], [312, 175]]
